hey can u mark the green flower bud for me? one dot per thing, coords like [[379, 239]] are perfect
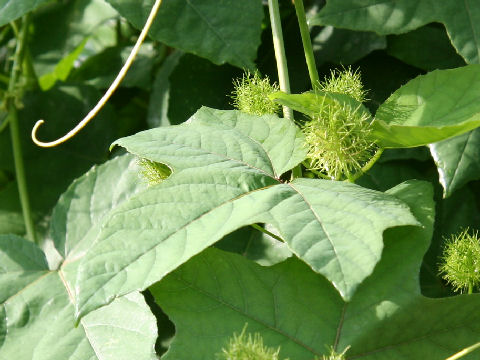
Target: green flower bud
[[153, 172], [248, 347], [251, 95], [460, 262]]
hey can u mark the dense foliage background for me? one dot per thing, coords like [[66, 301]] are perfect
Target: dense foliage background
[[195, 50]]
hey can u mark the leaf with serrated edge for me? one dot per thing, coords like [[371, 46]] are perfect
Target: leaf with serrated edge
[[215, 294], [226, 168], [461, 19], [430, 108], [36, 302]]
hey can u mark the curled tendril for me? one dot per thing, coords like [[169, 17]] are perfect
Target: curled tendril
[[113, 87]]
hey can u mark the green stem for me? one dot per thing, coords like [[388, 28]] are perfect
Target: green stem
[[12, 99], [318, 173], [307, 43], [470, 288], [367, 166], [259, 228], [464, 352], [4, 79], [279, 47]]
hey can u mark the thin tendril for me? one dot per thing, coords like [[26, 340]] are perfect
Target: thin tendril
[[113, 87]]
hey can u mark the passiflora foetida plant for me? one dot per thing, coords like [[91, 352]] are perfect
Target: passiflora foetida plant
[[266, 181]]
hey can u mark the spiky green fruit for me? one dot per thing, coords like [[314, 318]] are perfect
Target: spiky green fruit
[[460, 262], [251, 95]]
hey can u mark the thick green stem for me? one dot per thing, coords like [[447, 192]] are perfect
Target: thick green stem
[[259, 228], [279, 47], [367, 166], [307, 43], [464, 352], [470, 288], [13, 97]]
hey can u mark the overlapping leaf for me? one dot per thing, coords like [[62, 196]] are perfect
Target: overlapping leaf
[[430, 108], [226, 174], [291, 307], [226, 31], [457, 160], [13, 9], [37, 300], [461, 19]]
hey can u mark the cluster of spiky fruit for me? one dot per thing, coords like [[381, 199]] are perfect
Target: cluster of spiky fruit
[[338, 136]]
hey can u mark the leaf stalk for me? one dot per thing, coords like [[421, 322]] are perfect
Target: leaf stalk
[[265, 231], [307, 43], [279, 47]]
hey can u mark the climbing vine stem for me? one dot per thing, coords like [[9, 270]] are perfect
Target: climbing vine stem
[[307, 43], [113, 87], [464, 352], [13, 98]]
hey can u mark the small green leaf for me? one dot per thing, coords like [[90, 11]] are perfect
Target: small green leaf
[[430, 108], [457, 160], [62, 69], [308, 102]]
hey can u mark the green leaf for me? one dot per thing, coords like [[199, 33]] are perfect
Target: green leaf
[[62, 69], [344, 46], [37, 301], [430, 108], [61, 28], [309, 103], [220, 32], [461, 19], [255, 245], [35, 307], [291, 307], [88, 199], [457, 160], [437, 51], [13, 9], [226, 174], [94, 72], [160, 95]]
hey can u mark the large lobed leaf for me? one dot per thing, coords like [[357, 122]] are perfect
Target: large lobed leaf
[[226, 174], [430, 108], [292, 307], [36, 314], [221, 31], [461, 19]]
